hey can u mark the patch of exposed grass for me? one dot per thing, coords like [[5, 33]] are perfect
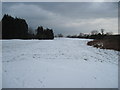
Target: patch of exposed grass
[[108, 42]]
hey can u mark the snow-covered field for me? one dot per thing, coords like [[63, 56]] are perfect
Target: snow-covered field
[[58, 63]]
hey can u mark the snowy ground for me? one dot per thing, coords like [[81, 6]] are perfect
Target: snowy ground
[[59, 63]]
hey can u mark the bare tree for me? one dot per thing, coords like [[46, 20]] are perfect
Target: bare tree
[[81, 34], [60, 35], [109, 33], [94, 32], [102, 31], [30, 30]]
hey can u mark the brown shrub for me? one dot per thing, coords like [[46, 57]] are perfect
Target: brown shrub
[[109, 42]]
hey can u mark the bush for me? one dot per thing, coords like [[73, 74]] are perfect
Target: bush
[[44, 33]]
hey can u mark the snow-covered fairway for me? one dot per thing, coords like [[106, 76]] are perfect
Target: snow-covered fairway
[[58, 63]]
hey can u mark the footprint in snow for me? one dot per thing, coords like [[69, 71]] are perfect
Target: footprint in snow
[[22, 54], [5, 71], [33, 57], [85, 59], [41, 82]]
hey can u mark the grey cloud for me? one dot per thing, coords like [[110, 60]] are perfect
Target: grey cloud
[[83, 9], [66, 18]]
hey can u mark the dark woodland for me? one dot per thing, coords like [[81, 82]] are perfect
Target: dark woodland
[[17, 28]]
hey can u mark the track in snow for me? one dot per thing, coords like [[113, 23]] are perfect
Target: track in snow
[[58, 63]]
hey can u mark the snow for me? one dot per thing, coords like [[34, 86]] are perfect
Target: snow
[[58, 63]]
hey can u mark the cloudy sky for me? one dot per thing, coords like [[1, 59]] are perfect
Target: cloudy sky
[[66, 17]]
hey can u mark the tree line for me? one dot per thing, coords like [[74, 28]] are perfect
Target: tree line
[[94, 34], [17, 28]]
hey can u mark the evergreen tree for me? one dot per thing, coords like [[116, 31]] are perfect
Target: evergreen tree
[[14, 28], [44, 33]]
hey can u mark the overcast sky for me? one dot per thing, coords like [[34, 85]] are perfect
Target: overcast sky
[[66, 17]]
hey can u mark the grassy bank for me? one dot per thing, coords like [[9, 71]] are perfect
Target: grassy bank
[[108, 42]]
